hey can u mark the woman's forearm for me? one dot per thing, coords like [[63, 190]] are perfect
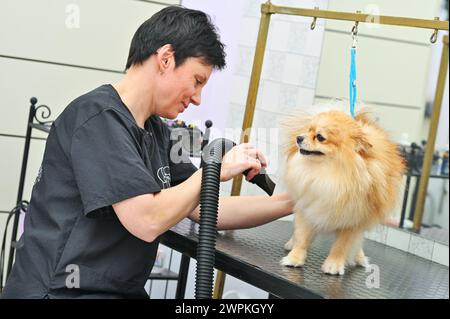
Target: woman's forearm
[[237, 212], [250, 211], [149, 215], [173, 204]]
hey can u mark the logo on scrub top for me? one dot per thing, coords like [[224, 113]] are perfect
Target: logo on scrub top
[[164, 176]]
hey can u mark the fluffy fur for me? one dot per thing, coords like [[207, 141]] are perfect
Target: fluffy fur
[[344, 175]]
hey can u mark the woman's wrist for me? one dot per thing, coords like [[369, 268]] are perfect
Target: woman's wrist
[[285, 200]]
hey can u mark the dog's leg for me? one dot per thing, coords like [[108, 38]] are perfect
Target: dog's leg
[[303, 234], [290, 243], [357, 257], [345, 241], [361, 259]]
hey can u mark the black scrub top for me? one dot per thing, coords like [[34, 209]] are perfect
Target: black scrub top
[[73, 245]]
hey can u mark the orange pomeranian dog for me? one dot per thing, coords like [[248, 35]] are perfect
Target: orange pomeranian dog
[[344, 175]]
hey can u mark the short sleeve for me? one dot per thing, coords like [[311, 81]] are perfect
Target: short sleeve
[[107, 163], [181, 171]]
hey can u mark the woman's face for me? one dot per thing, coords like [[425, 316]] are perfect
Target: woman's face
[[181, 86]]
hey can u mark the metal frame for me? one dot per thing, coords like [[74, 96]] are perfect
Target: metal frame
[[267, 9], [434, 122], [37, 121]]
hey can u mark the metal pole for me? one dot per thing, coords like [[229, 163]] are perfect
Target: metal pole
[[405, 200], [182, 277], [249, 112], [21, 183], [219, 284], [254, 85], [429, 150]]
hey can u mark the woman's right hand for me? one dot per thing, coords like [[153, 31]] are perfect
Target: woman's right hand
[[241, 158]]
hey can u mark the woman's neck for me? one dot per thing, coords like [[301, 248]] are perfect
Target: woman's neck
[[137, 99]]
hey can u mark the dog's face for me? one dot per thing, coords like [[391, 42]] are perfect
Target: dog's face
[[328, 135]]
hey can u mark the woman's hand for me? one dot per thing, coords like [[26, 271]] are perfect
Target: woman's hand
[[241, 158]]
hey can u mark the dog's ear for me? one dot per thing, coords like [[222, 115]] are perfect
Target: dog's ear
[[362, 145]]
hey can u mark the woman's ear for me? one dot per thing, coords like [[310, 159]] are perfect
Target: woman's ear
[[165, 57]]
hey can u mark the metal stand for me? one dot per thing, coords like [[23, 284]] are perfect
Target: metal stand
[[412, 209], [268, 9], [35, 122], [182, 277]]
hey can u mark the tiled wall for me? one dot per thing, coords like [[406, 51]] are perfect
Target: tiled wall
[[393, 63], [288, 79], [394, 85], [412, 243]]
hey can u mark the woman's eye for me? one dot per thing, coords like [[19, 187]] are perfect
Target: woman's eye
[[320, 138], [198, 82]]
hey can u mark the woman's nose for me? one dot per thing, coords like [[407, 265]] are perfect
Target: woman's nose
[[196, 99]]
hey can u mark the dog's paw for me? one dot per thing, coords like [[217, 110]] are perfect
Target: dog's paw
[[286, 261], [294, 259], [359, 262], [333, 266], [362, 261], [289, 244]]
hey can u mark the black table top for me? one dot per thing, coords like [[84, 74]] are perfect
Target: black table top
[[253, 256]]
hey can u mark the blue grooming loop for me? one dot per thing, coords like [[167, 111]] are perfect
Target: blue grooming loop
[[353, 91], [352, 84]]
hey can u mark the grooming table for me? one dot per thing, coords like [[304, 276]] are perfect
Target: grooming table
[[253, 256]]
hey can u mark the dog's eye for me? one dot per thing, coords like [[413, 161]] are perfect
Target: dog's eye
[[320, 138]]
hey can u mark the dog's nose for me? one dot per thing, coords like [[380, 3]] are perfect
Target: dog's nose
[[300, 139]]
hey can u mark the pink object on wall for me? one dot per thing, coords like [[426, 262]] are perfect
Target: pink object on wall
[[215, 104], [21, 224]]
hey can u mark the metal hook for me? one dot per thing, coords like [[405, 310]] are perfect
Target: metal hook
[[355, 34], [355, 27], [313, 24], [434, 36]]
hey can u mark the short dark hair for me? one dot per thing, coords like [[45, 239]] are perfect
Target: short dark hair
[[190, 32]]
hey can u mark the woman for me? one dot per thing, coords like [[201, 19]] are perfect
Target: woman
[[108, 188]]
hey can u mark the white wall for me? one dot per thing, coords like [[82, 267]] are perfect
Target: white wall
[[392, 63], [288, 80], [47, 33], [55, 51], [394, 66], [216, 95]]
